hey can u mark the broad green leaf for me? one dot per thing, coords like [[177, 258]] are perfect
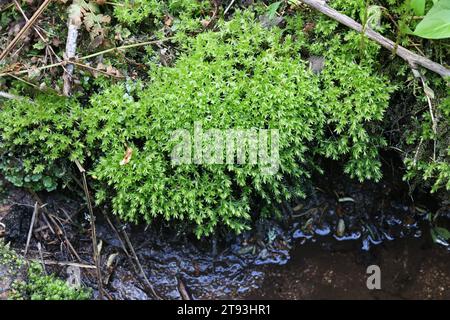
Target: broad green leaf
[[418, 6], [272, 9], [436, 23], [442, 232]]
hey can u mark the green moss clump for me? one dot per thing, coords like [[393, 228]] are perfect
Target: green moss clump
[[37, 140], [39, 286], [242, 76], [134, 11], [27, 281], [184, 12]]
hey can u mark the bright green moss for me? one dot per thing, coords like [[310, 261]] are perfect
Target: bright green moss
[[134, 11], [37, 139], [39, 286], [30, 282], [131, 12], [242, 76]]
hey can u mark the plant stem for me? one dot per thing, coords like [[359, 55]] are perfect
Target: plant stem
[[128, 46]]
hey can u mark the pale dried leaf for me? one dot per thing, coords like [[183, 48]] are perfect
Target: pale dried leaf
[[126, 159]]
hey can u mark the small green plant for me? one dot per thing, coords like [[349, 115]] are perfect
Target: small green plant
[[428, 161], [425, 152], [438, 234], [30, 282], [243, 76], [39, 286], [37, 140], [240, 76], [135, 11]]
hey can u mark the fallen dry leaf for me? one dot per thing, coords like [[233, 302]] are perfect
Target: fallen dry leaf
[[168, 20], [108, 69], [205, 23], [309, 27], [127, 156], [113, 71]]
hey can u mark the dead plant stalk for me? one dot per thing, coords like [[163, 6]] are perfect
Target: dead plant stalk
[[93, 232]]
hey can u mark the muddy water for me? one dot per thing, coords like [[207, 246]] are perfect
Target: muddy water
[[321, 251], [410, 269], [232, 272], [322, 267]]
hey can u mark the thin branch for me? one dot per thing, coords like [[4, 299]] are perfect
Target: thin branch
[[64, 62], [429, 95], [68, 263], [6, 7], [41, 257], [25, 28], [94, 70], [141, 269], [37, 31], [124, 247], [128, 46], [7, 95], [71, 47], [93, 232], [416, 155], [228, 8], [26, 19], [30, 231], [57, 64], [412, 58], [24, 81], [59, 232]]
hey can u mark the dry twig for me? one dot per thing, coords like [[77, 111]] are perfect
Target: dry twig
[[30, 231], [68, 263], [9, 96], [412, 58], [74, 23], [93, 232], [25, 28], [64, 62], [133, 252]]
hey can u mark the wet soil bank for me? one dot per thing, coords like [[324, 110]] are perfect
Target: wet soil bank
[[320, 249]]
